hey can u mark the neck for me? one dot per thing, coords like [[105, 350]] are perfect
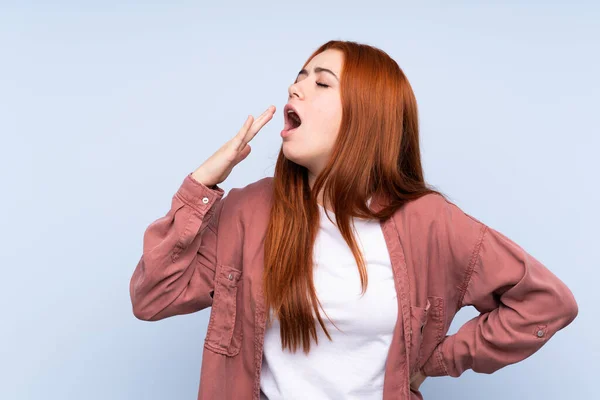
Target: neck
[[311, 182]]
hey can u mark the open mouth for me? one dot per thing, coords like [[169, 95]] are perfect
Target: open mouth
[[292, 120]]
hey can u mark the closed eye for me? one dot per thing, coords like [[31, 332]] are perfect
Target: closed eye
[[322, 84]]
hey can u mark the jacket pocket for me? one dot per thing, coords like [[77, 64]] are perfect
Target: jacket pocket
[[427, 331], [224, 332]]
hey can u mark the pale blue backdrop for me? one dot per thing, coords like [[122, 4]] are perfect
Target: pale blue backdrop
[[105, 106]]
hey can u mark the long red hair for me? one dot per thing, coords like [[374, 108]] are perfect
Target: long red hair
[[376, 154]]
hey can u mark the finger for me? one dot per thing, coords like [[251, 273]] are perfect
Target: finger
[[268, 113], [269, 110], [247, 133], [260, 118], [238, 139], [259, 123], [243, 154]]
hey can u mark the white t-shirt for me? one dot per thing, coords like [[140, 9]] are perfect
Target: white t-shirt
[[352, 365]]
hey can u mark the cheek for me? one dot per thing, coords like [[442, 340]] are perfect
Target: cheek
[[316, 137], [331, 126], [327, 121]]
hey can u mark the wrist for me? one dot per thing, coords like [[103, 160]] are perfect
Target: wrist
[[200, 179]]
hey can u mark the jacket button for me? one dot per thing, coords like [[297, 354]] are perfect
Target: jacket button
[[205, 200], [230, 276], [540, 333]]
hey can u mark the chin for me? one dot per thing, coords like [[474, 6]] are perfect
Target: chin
[[291, 152]]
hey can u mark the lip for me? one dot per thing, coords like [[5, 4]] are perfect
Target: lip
[[287, 131], [290, 106]]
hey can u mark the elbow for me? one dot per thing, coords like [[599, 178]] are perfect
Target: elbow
[[566, 307], [141, 303], [571, 309], [143, 313], [140, 306]]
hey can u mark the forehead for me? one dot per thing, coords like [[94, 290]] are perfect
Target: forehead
[[331, 59]]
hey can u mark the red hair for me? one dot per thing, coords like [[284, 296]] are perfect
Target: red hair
[[376, 153]]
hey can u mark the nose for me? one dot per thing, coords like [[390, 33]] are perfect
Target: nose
[[293, 90]]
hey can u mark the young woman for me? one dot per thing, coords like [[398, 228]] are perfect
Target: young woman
[[345, 254]]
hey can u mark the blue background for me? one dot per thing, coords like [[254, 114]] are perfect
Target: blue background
[[106, 106]]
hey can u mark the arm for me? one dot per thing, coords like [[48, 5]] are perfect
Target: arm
[[176, 271], [521, 303]]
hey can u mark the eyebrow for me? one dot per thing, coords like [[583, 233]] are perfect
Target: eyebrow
[[318, 69]]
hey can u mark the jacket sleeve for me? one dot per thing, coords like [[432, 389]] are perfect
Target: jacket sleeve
[[176, 271], [521, 303]]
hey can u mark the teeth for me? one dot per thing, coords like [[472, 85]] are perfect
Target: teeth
[[294, 116]]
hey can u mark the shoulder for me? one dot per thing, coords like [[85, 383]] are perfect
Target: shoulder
[[435, 221], [428, 208], [435, 207], [249, 204], [252, 195], [429, 204]]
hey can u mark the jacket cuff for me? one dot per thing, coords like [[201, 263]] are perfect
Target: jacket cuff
[[198, 195]]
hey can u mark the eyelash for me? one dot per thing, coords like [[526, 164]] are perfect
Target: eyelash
[[318, 84]]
